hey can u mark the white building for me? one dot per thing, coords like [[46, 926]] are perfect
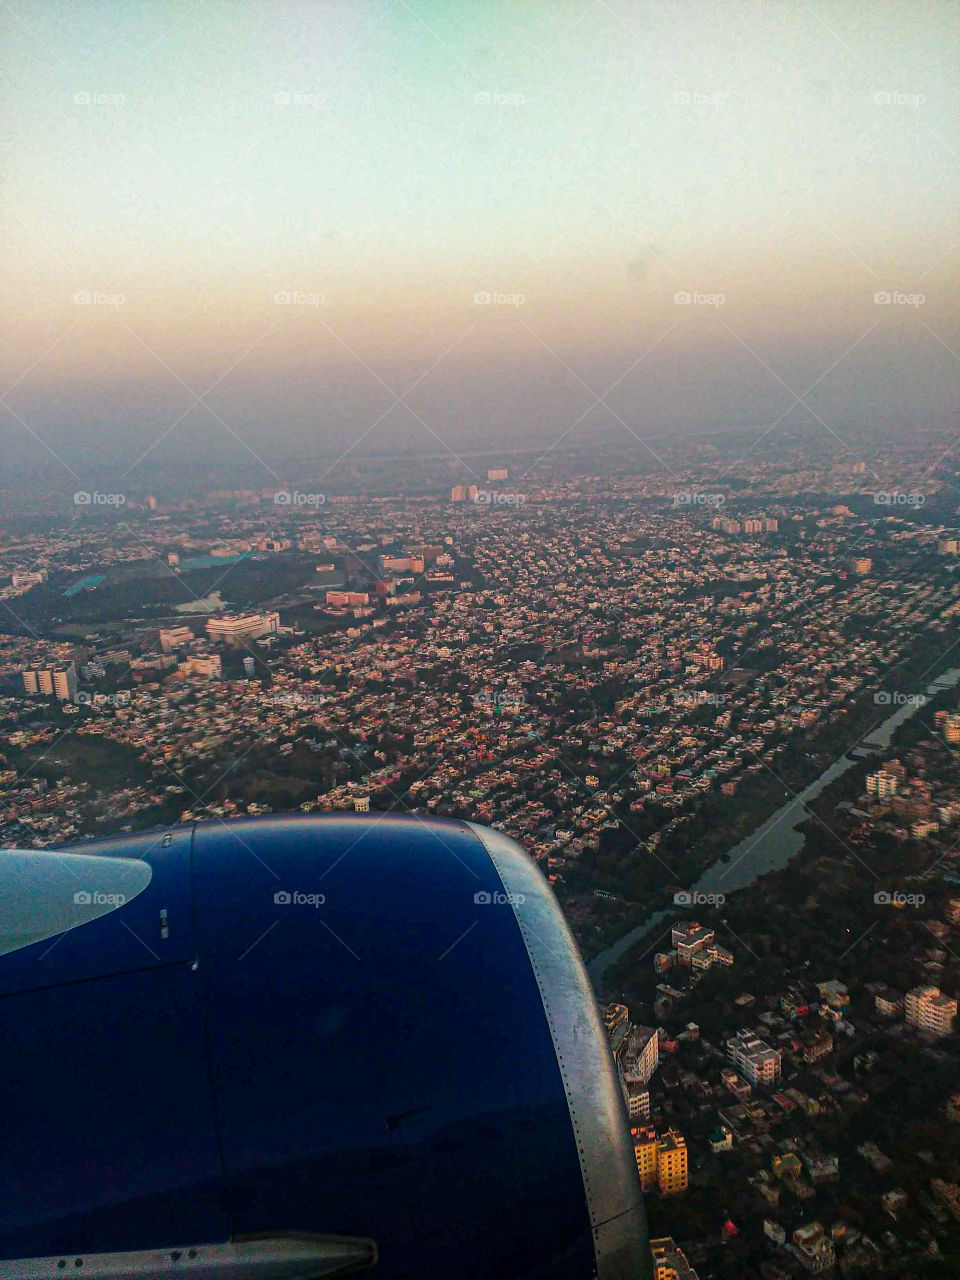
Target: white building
[[754, 1059], [239, 627], [930, 1010]]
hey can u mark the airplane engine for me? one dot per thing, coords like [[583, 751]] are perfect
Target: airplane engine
[[296, 1047]]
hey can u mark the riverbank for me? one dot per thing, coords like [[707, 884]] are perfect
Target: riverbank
[[772, 845]]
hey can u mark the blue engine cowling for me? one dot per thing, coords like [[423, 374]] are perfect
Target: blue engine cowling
[[367, 1029]]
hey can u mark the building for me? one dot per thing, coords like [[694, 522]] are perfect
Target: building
[[669, 1261], [817, 1044], [614, 1015], [638, 1056], [672, 1175], [882, 784], [498, 473], [361, 804], [645, 1149], [249, 666], [65, 683], [861, 564], [754, 1059], [706, 957], [347, 599], [689, 938], [930, 1010], [401, 564], [174, 638], [760, 524], [238, 628], [887, 1002], [951, 730], [661, 1162], [209, 665], [49, 682], [458, 493], [813, 1247]]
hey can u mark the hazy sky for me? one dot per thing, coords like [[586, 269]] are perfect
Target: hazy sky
[[183, 165]]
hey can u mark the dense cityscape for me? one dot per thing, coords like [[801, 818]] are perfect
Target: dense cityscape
[[717, 704]]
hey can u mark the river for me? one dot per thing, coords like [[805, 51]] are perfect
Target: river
[[771, 846]]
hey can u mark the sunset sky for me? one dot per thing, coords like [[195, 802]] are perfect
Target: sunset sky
[[186, 166]]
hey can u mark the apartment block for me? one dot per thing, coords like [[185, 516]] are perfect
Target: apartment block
[[754, 1059], [930, 1010]]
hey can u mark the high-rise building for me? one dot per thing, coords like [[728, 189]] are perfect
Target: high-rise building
[[645, 1149], [669, 1260], [48, 682], [672, 1176], [497, 473], [930, 1010], [637, 1059], [861, 564], [65, 683], [249, 666], [458, 493]]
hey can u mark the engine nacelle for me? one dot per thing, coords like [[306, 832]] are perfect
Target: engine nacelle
[[305, 1046]]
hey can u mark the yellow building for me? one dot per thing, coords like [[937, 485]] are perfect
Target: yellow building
[[645, 1149], [672, 1163], [669, 1261]]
